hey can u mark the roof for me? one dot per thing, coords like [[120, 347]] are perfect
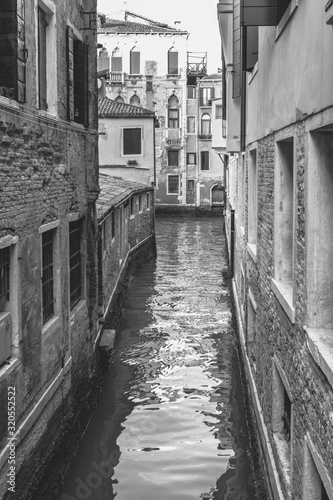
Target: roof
[[107, 108], [118, 26], [112, 191]]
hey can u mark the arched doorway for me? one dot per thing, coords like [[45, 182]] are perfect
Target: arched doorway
[[218, 195]]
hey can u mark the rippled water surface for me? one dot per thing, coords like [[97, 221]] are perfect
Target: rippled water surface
[[171, 423]]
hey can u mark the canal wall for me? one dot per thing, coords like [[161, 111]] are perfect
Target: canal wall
[[188, 211]]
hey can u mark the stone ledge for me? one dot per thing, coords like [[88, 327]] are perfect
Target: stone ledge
[[283, 292], [320, 345], [252, 251]]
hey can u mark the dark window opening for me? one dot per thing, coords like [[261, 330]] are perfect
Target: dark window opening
[[218, 111], [173, 184], [4, 274], [173, 158], [204, 160], [134, 62], [286, 416], [12, 50], [206, 95], [172, 62], [113, 226], [205, 124], [132, 141], [140, 203], [191, 92], [77, 79], [47, 276], [132, 206], [75, 265], [42, 80], [148, 200], [173, 118]]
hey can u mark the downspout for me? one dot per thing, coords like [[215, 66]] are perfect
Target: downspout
[[154, 182], [243, 89]]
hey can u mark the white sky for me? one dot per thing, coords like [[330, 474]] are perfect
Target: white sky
[[197, 17]]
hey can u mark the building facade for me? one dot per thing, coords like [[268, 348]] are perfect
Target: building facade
[[126, 141], [125, 212], [146, 64], [48, 228], [279, 120]]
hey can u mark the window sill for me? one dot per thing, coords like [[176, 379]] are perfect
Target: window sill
[[11, 103], [283, 291], [7, 368], [285, 18], [252, 251], [52, 325], [132, 217], [77, 309], [320, 345], [48, 114]]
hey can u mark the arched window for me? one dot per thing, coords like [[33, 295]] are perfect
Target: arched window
[[135, 100], [172, 61], [135, 61], [205, 124], [173, 112], [119, 99], [116, 65]]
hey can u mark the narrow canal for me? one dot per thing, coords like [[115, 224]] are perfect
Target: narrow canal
[[171, 423]]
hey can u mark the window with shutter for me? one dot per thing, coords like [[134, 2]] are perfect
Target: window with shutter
[[236, 55], [77, 79], [134, 62], [12, 49], [204, 160], [132, 141], [42, 80], [172, 62]]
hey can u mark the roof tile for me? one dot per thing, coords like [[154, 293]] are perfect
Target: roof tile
[[107, 108]]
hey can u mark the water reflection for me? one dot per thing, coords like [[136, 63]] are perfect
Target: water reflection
[[171, 421]]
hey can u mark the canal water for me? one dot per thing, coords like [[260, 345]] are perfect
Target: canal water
[[171, 421]]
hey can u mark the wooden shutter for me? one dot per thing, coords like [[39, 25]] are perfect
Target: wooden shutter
[[236, 77], [12, 49], [42, 59], [261, 12], [116, 64], [70, 77], [172, 62], [80, 82], [135, 63]]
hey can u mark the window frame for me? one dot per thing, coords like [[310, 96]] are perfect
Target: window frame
[[173, 67], [75, 290], [193, 121], [188, 156], [78, 84], [218, 112], [135, 64], [169, 176], [205, 121], [173, 157], [204, 154], [124, 131], [47, 267], [194, 92]]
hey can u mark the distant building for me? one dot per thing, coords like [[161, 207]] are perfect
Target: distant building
[[48, 226], [126, 141], [145, 63], [279, 121], [125, 212]]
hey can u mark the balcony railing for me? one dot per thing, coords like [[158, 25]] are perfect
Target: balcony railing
[[116, 77]]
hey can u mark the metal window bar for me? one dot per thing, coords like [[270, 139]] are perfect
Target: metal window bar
[[75, 267], [4, 273], [47, 276]]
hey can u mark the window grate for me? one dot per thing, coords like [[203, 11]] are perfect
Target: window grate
[[47, 276], [75, 262], [4, 273]]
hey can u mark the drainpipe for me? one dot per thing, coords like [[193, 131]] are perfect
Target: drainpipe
[[232, 243], [154, 183], [243, 89]]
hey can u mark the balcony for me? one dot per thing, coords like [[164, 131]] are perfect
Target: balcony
[[205, 137], [173, 138], [116, 77]]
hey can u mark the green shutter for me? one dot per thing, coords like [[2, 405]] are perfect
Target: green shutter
[[70, 75], [135, 63], [12, 49]]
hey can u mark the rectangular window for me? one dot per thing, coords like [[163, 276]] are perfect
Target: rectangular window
[[282, 416], [191, 158], [75, 264], [191, 92], [172, 62], [148, 200], [173, 158], [132, 141], [252, 197], [42, 24], [140, 203], [173, 184], [284, 212], [46, 58], [113, 225], [191, 124], [4, 275], [190, 185], [77, 79], [204, 156], [134, 62], [47, 276], [12, 50], [173, 118], [132, 205], [117, 64], [206, 95], [218, 111]]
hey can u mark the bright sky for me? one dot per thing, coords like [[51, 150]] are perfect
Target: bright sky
[[197, 17]]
